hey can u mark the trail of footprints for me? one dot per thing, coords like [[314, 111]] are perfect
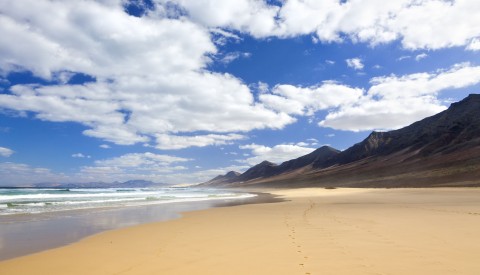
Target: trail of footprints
[[383, 239], [292, 234]]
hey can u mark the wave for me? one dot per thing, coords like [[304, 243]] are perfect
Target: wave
[[67, 196], [41, 200]]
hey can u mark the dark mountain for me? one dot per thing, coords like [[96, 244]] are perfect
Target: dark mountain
[[319, 157], [229, 177], [441, 150], [261, 170], [268, 169], [447, 131]]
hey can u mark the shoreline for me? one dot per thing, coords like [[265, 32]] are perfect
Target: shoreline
[[314, 230], [46, 231]]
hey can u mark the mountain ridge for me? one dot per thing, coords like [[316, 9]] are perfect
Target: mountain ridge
[[440, 150]]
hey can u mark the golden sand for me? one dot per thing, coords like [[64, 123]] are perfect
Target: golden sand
[[316, 231]]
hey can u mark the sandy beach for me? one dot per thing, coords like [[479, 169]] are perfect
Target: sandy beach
[[315, 231]]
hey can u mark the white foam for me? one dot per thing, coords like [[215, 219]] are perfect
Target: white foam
[[31, 201]]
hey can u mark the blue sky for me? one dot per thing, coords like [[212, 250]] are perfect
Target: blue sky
[[181, 91]]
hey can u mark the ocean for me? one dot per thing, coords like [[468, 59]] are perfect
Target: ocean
[[32, 220], [45, 200]]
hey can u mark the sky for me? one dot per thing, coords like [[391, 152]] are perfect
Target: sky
[[179, 91]]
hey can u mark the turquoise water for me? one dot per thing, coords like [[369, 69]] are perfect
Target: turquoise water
[[43, 200]]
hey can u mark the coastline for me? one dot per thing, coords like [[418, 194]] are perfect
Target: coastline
[[313, 231], [25, 234]]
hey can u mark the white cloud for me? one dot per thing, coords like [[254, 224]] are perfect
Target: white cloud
[[140, 160], [133, 98], [5, 152], [169, 142], [204, 175], [261, 87], [474, 45], [393, 102], [306, 101], [105, 146], [146, 166], [382, 114], [302, 144], [80, 155], [403, 57], [276, 154], [254, 17], [133, 166], [222, 37], [17, 174], [355, 63], [430, 24], [420, 56], [230, 57]]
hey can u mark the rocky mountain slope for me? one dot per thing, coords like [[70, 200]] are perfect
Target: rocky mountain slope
[[442, 150], [268, 169]]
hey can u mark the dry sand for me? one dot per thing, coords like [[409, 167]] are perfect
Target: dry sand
[[317, 231]]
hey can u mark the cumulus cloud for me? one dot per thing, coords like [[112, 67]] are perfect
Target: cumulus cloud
[[474, 45], [396, 101], [138, 90], [276, 154], [178, 142], [294, 100], [355, 63], [252, 16], [389, 103], [5, 152], [132, 99], [431, 24]]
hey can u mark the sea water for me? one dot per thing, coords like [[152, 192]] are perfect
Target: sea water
[[33, 220], [45, 200]]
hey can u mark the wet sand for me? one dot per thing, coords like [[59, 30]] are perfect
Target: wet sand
[[26, 234], [315, 231]]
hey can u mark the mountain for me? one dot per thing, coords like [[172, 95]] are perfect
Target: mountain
[[263, 169], [268, 169], [319, 157], [441, 150], [446, 131], [223, 179]]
